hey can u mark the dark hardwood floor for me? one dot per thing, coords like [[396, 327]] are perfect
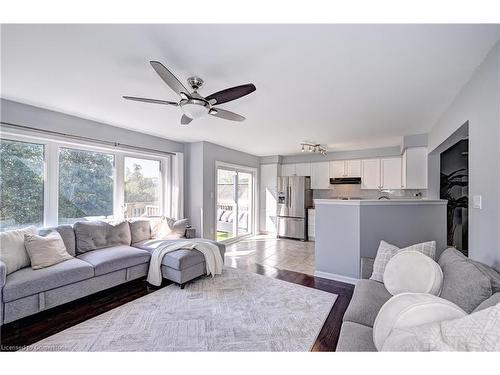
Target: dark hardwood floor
[[29, 330]]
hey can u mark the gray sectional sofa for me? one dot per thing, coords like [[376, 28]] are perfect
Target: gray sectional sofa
[[104, 256], [471, 285]]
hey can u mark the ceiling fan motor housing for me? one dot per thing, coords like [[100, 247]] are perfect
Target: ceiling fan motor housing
[[195, 82]]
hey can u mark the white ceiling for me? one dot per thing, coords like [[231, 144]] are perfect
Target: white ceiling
[[347, 86]]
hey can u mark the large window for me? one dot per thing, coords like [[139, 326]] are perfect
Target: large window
[[85, 185], [21, 184], [52, 181], [142, 187]]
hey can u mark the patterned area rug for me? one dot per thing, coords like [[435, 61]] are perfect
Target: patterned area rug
[[237, 311]]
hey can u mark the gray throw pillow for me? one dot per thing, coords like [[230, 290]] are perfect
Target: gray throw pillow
[[92, 235], [464, 283], [140, 230], [45, 251]]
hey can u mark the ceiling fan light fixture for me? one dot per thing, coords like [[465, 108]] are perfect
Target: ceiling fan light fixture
[[194, 108]]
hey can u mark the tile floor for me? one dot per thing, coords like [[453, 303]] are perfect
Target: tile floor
[[266, 250]]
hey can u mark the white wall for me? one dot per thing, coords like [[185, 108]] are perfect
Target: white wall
[[478, 103]]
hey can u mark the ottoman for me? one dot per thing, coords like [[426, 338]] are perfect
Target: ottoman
[[182, 265]]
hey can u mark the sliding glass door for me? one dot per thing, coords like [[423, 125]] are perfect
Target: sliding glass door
[[234, 214]]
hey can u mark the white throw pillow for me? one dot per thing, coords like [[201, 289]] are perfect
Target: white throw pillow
[[479, 331], [413, 272], [45, 251], [168, 229], [386, 251], [409, 310], [12, 250]]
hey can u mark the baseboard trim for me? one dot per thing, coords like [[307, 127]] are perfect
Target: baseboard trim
[[333, 276]]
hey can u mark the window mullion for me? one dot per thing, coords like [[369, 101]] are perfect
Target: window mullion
[[119, 187], [51, 187]]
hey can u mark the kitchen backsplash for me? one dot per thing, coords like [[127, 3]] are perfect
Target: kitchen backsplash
[[355, 191]]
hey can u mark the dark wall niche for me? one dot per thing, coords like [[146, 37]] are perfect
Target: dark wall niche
[[454, 187]]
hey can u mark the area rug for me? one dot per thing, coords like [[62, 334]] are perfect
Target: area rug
[[237, 311]]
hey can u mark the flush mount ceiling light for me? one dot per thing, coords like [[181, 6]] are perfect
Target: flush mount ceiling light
[[313, 147]]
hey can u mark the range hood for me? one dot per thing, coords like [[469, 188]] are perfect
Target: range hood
[[345, 181]]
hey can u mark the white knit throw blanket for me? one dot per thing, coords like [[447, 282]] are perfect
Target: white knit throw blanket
[[213, 258]]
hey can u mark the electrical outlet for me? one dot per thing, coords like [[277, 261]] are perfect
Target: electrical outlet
[[477, 201]]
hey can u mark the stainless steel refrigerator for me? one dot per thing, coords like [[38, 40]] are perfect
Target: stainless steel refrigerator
[[294, 198]]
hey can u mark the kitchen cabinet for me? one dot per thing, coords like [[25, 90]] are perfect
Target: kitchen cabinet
[[353, 168], [414, 168], [370, 174], [303, 169], [390, 173], [288, 170], [320, 175], [337, 169], [345, 168]]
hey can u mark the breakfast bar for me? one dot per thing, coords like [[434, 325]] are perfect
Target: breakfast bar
[[347, 230]]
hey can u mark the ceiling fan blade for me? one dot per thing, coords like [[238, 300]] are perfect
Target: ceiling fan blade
[[226, 115], [230, 94], [185, 120], [156, 101], [170, 79]]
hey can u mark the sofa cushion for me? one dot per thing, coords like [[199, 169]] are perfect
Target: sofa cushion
[[67, 234], [115, 258], [492, 301], [140, 230], [92, 235], [28, 281], [368, 298], [355, 337], [464, 283]]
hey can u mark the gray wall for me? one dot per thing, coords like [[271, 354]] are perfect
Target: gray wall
[[339, 155], [478, 103], [40, 118], [201, 180]]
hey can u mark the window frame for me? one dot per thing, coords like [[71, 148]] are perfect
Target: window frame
[[52, 145], [44, 169]]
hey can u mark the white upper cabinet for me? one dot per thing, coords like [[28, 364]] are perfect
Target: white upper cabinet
[[353, 168], [337, 169], [391, 173], [303, 169], [370, 174], [320, 175], [414, 168], [288, 170]]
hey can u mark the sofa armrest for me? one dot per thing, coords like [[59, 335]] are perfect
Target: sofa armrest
[[366, 267], [190, 233]]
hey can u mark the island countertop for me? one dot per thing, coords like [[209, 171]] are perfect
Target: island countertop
[[382, 202]]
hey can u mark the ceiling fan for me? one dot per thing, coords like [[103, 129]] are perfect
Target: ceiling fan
[[192, 104]]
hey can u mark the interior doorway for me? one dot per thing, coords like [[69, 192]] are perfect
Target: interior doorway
[[454, 187], [235, 202]]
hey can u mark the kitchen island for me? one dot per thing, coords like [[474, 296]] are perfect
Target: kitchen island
[[347, 230]]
